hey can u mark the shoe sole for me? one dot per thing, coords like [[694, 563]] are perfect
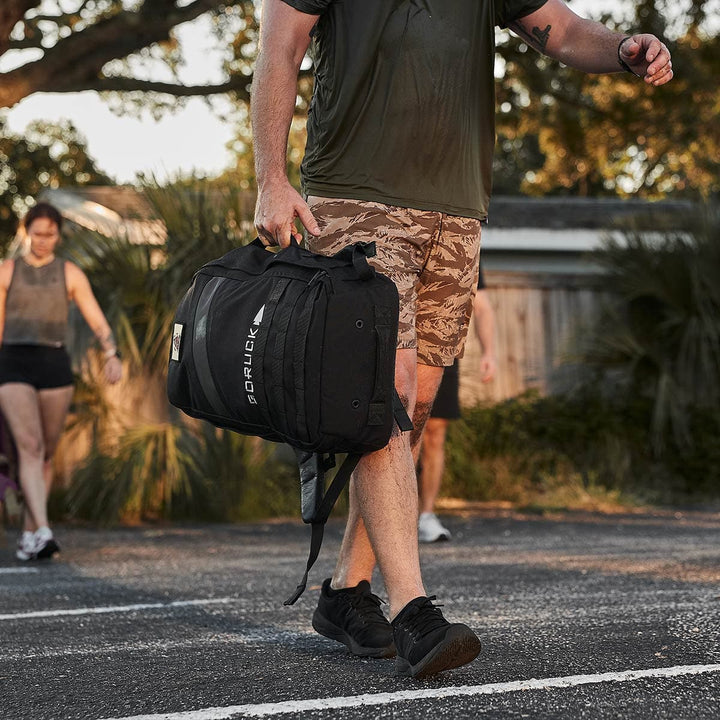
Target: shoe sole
[[48, 550], [440, 538], [329, 630], [459, 647]]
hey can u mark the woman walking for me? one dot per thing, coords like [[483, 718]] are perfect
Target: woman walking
[[36, 381]]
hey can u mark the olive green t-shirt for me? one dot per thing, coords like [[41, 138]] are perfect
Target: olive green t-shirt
[[403, 110]]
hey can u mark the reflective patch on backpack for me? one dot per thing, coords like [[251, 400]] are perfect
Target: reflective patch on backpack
[[248, 356], [178, 329]]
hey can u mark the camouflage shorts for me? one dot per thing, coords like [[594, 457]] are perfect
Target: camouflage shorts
[[431, 257]]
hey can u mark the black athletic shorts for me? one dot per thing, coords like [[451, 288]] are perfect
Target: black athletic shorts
[[447, 400], [41, 366]]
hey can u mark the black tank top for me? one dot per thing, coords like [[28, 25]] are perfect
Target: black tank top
[[36, 308]]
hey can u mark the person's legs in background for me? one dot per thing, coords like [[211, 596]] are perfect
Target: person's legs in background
[[54, 407], [430, 473], [430, 455], [20, 406]]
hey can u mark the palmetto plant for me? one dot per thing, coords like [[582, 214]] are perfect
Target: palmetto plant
[[660, 338], [145, 458]]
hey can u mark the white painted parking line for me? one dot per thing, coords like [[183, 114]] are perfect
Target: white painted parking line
[[17, 571], [114, 609], [355, 701]]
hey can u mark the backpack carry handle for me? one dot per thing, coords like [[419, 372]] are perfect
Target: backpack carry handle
[[360, 253], [257, 242]]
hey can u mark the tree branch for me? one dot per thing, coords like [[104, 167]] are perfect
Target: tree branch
[[25, 44], [78, 60], [11, 13], [239, 85]]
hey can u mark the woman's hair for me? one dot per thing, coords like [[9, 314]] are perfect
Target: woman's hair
[[42, 210]]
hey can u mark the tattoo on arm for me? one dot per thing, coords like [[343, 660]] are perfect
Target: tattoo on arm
[[536, 38]]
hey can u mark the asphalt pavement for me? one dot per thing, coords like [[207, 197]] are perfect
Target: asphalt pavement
[[581, 616]]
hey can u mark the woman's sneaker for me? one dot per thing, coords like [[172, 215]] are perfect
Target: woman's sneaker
[[26, 549], [353, 617], [430, 529], [38, 545], [427, 643], [45, 543]]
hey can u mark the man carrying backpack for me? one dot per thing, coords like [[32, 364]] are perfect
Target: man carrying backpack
[[400, 141]]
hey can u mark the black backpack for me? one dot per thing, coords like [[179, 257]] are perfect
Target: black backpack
[[293, 347]]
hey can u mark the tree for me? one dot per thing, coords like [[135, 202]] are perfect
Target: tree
[[107, 46], [613, 135], [47, 155], [660, 337], [559, 131]]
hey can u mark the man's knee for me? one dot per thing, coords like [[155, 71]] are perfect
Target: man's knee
[[406, 379]]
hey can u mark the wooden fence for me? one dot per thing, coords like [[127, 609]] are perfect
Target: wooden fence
[[537, 316]]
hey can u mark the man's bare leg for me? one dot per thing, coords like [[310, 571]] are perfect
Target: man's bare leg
[[429, 379], [382, 517]]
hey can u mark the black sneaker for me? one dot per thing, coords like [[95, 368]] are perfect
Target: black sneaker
[[427, 643], [353, 616], [46, 545]]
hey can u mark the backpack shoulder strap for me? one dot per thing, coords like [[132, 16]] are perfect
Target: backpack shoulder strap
[[316, 506]]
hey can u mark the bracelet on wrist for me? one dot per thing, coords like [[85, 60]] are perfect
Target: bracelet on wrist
[[623, 64], [113, 353]]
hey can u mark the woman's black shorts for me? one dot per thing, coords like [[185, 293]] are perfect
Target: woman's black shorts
[[41, 366], [447, 400]]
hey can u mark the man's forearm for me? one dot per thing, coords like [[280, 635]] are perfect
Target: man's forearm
[[284, 39], [271, 108], [582, 44]]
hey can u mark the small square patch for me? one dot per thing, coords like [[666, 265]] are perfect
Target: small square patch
[[176, 341]]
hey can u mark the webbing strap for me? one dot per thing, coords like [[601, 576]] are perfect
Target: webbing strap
[[200, 351], [258, 359], [401, 417], [281, 322], [323, 512], [299, 352]]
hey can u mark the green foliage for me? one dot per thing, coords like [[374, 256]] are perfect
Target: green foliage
[[645, 419], [180, 471], [167, 466], [660, 338], [202, 221], [612, 134], [530, 445], [47, 155]]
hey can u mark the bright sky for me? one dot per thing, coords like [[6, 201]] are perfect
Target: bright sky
[[193, 138]]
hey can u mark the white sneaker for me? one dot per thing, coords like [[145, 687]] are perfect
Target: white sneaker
[[26, 546], [430, 529]]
